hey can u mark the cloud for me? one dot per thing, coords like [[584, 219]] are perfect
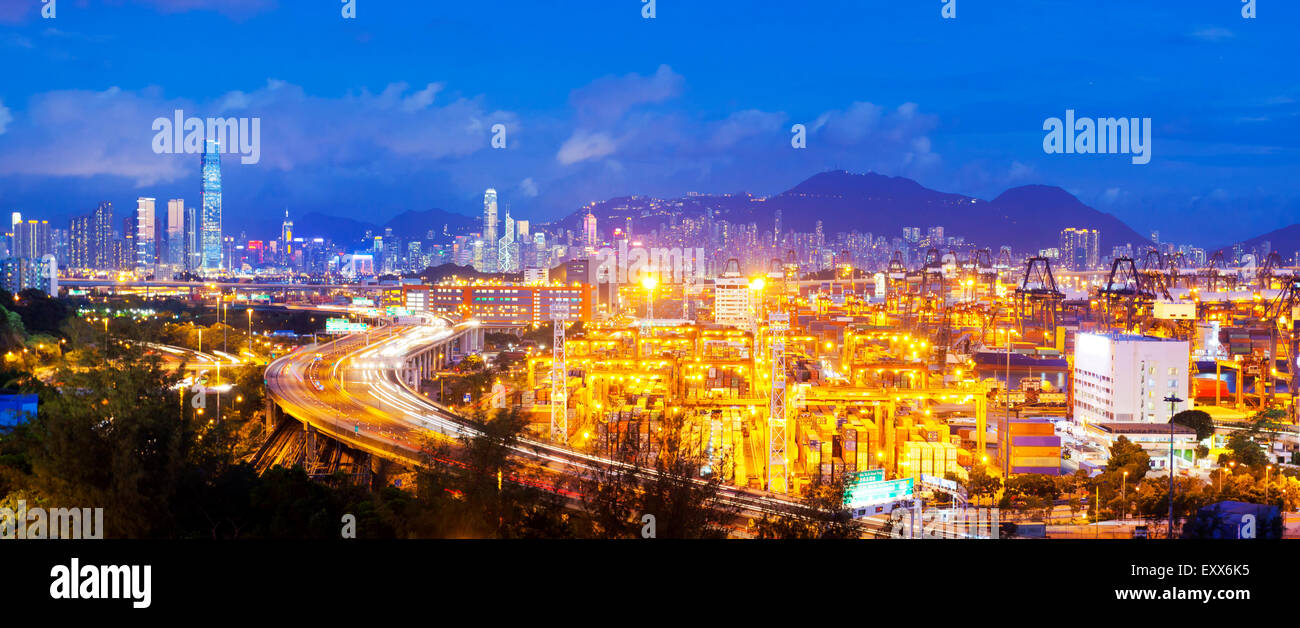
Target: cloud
[[606, 99], [5, 117], [1213, 34], [528, 188], [20, 11], [584, 145], [84, 133], [235, 9]]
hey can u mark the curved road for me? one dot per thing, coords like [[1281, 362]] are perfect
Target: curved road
[[350, 389]]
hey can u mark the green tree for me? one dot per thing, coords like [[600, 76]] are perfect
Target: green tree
[[981, 484], [1198, 420], [1126, 455], [824, 515]]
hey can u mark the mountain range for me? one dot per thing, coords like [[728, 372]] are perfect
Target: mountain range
[[1027, 218]]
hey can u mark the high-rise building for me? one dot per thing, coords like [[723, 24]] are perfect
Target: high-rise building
[[488, 262], [21, 273], [80, 243], [60, 246], [589, 230], [101, 237], [31, 239], [1080, 248], [175, 234], [145, 228], [506, 261], [286, 238], [210, 231]]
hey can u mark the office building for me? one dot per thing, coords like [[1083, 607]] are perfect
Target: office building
[[211, 242], [1120, 378]]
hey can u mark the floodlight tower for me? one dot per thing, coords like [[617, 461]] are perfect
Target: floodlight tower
[[777, 469], [559, 377]]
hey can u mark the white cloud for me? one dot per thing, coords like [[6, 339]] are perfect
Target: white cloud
[[5, 117], [584, 145], [86, 133]]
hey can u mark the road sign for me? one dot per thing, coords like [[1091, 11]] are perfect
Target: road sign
[[467, 397], [343, 326], [939, 482], [879, 492], [862, 477]]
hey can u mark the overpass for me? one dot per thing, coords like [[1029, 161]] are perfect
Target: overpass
[[357, 390]]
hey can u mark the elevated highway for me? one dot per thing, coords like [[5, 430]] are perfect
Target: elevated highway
[[359, 391]]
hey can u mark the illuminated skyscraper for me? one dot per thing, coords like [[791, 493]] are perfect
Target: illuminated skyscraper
[[489, 261], [1080, 248], [176, 233], [286, 237], [506, 247], [210, 230], [589, 230], [145, 229], [31, 239]]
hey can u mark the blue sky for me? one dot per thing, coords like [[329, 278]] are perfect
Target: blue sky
[[393, 110]]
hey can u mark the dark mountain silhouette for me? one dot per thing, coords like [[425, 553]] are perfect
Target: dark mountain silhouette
[[1027, 218], [417, 224], [1286, 241]]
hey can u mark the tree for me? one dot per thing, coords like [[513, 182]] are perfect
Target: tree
[[669, 486], [981, 484], [1030, 491], [1245, 451], [1198, 420], [824, 515], [1126, 455]]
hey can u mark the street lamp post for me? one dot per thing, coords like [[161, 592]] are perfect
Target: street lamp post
[[1172, 399], [250, 332]]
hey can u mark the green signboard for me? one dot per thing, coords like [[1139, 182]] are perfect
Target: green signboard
[[870, 475], [343, 326], [883, 492]]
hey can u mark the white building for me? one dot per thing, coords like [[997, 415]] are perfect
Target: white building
[[1121, 378], [145, 234], [731, 302]]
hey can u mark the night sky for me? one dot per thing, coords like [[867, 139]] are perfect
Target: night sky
[[393, 110]]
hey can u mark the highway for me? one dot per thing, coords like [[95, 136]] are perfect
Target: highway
[[350, 389]]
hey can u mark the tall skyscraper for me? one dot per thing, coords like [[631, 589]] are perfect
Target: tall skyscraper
[[1080, 248], [176, 233], [31, 239], [80, 243], [589, 230], [489, 262], [506, 247], [286, 237], [210, 231], [193, 239], [101, 237], [145, 228]]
